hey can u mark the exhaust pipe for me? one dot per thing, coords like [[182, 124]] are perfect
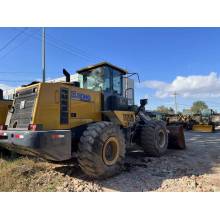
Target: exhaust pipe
[[67, 75]]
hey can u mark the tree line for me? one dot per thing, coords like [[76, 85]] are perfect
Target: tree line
[[196, 108]]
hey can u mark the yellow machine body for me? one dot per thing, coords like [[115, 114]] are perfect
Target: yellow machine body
[[46, 110], [123, 118], [47, 107], [57, 121], [203, 128], [5, 105]]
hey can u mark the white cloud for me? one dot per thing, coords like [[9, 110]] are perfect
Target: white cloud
[[7, 90], [197, 86], [5, 87]]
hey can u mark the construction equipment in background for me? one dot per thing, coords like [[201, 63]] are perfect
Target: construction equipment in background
[[174, 119], [59, 121], [203, 128], [206, 121], [156, 115], [215, 118], [185, 121]]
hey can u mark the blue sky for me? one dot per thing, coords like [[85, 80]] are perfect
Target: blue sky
[[159, 55]]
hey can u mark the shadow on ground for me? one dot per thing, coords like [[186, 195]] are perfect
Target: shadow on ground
[[142, 173], [8, 155]]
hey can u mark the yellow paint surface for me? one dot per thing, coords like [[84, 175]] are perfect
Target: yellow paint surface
[[46, 109], [5, 105]]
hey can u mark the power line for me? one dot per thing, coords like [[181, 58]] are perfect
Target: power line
[[50, 42], [17, 72], [13, 39], [56, 46], [86, 53], [67, 50], [13, 49], [70, 49]]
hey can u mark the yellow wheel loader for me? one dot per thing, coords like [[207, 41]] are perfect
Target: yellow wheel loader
[[204, 122], [94, 123]]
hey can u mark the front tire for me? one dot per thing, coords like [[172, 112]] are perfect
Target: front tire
[[101, 150], [154, 138]]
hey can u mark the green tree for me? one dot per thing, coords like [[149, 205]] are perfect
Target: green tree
[[198, 106], [164, 109]]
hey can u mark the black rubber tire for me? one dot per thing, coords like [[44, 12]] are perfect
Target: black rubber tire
[[149, 138], [90, 152]]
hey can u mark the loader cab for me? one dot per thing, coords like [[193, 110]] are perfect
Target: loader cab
[[207, 112], [107, 79], [103, 77]]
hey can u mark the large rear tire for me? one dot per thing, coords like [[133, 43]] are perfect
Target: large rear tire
[[154, 138], [101, 150]]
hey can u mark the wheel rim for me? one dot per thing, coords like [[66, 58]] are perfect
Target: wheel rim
[[110, 151], [161, 139]]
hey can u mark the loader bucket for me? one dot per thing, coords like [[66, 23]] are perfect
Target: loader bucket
[[203, 128], [176, 138]]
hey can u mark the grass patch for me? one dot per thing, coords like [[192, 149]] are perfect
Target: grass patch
[[25, 174]]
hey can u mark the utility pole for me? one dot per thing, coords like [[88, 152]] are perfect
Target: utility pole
[[43, 56], [175, 102]]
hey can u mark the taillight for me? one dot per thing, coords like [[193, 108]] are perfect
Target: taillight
[[34, 127], [19, 136], [3, 127], [3, 134], [57, 136]]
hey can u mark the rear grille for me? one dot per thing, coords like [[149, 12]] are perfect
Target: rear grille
[[64, 99], [23, 109]]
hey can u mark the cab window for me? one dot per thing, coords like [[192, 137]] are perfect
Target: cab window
[[117, 82], [96, 79]]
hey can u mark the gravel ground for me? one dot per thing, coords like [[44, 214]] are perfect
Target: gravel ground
[[195, 169]]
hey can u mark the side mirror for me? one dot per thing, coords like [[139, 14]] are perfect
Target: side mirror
[[143, 102]]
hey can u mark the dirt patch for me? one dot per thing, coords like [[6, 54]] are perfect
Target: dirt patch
[[195, 169]]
